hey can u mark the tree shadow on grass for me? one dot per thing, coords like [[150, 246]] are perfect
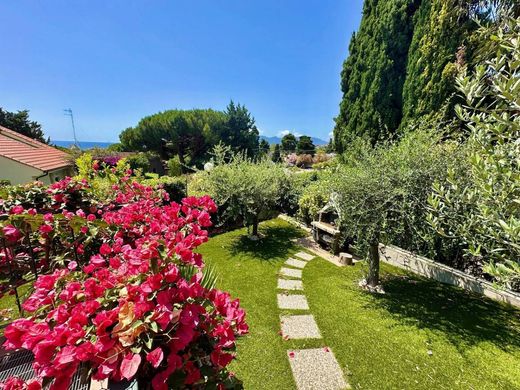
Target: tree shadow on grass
[[464, 318], [275, 243]]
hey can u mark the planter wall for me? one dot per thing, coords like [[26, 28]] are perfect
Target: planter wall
[[444, 274]]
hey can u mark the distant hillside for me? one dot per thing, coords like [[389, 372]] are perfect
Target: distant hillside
[[276, 140]]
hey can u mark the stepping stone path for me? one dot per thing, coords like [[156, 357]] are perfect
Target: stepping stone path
[[292, 302], [291, 273], [299, 327], [315, 368], [284, 284], [296, 263]]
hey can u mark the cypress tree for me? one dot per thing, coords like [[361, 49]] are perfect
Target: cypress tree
[[437, 52], [276, 157], [373, 75]]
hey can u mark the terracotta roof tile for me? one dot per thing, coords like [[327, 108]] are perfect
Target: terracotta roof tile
[[30, 152]]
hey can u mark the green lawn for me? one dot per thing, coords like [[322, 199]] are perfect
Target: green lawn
[[419, 335], [8, 306]]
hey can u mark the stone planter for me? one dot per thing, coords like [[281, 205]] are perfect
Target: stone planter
[[444, 274]]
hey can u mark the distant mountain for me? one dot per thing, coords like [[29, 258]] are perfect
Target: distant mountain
[[276, 140]]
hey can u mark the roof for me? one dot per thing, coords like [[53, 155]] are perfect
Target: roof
[[30, 152]]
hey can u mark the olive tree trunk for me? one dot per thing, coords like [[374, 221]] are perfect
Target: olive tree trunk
[[373, 264], [254, 225]]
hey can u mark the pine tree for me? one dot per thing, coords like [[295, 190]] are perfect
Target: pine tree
[[264, 147], [289, 142], [305, 146], [20, 122]]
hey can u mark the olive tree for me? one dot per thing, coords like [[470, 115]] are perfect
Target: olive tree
[[383, 192], [243, 189]]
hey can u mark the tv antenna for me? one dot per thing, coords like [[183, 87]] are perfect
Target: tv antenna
[[68, 112]]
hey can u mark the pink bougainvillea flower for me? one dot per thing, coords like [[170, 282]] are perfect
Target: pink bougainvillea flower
[[105, 249], [11, 233], [72, 265], [128, 306], [130, 365], [45, 229], [155, 357], [16, 210]]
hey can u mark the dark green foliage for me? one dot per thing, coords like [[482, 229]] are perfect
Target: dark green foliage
[[479, 209], [289, 143], [443, 43], [139, 161], [117, 147], [20, 122], [403, 62], [264, 147], [373, 74], [174, 186], [174, 167], [294, 188], [276, 157], [240, 131], [305, 146], [190, 134]]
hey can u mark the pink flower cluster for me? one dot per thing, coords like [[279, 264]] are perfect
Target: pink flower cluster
[[139, 308]]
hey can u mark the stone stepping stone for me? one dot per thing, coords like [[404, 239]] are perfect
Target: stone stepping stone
[[316, 369], [291, 273], [305, 256], [292, 302], [299, 327], [285, 284], [296, 263]]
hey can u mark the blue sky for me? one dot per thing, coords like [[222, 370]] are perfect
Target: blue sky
[[114, 62]]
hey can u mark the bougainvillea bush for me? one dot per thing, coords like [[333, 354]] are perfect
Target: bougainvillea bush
[[139, 308]]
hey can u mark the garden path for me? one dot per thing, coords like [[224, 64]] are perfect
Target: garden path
[[314, 368]]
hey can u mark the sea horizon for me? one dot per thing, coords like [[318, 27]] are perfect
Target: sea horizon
[[83, 145]]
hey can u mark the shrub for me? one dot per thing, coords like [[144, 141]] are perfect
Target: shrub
[[101, 177], [291, 159], [245, 191], [321, 158], [481, 214], [175, 187], [174, 166], [294, 187], [140, 307], [139, 161], [312, 199], [304, 161]]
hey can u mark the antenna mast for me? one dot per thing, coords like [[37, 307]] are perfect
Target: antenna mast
[[68, 112]]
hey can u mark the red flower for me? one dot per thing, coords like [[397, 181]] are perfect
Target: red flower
[[105, 249], [16, 210], [155, 357], [11, 233]]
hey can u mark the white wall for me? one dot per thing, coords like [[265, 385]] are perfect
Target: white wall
[[444, 274], [17, 173]]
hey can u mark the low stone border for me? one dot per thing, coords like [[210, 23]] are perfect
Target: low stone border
[[444, 274]]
